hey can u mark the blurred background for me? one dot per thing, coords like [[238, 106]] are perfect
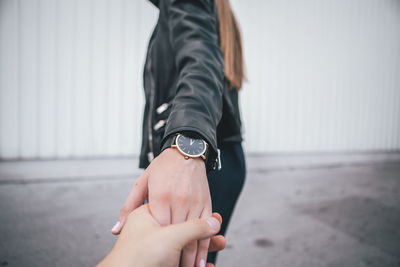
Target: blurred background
[[321, 114]]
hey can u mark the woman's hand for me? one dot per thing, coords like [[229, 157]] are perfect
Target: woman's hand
[[144, 242], [178, 191]]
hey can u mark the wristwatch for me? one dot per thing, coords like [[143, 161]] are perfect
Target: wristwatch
[[193, 146], [188, 146]]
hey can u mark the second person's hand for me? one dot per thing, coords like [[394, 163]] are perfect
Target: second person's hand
[[143, 242], [177, 190]]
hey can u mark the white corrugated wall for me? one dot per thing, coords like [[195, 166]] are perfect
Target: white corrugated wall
[[322, 76]]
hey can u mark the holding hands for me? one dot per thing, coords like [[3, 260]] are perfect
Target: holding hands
[[144, 242], [177, 190]]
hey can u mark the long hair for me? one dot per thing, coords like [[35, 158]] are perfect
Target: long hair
[[231, 44]]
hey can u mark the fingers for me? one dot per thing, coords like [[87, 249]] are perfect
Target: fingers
[[217, 243], [135, 198], [193, 229], [160, 210], [202, 251], [188, 256], [189, 250], [210, 265], [140, 219], [180, 205], [142, 212], [217, 216], [203, 244]]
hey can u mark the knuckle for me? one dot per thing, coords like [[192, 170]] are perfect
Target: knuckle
[[144, 175], [124, 211], [207, 212], [164, 196], [191, 246], [203, 246], [182, 198], [195, 201]]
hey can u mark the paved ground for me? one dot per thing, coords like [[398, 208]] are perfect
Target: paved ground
[[318, 210]]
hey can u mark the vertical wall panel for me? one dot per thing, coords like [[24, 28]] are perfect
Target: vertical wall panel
[[131, 98], [65, 38], [47, 74], [9, 78], [322, 76], [71, 77], [28, 78], [82, 70], [99, 75], [114, 72]]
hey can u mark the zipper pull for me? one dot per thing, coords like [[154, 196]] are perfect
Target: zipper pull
[[159, 124], [219, 164], [150, 156], [162, 108]]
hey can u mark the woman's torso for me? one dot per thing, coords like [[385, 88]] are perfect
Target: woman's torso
[[159, 79]]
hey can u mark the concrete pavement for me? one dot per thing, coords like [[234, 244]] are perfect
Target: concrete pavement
[[298, 210]]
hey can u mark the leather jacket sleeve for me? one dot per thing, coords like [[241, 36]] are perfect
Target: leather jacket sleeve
[[197, 105]]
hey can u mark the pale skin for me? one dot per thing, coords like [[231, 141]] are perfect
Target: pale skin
[[177, 190], [143, 242]]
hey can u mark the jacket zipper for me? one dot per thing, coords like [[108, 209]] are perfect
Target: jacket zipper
[[150, 155]]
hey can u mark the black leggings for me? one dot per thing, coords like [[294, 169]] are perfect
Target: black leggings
[[226, 185]]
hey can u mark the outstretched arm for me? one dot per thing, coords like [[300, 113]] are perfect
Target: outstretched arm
[[193, 33], [177, 189]]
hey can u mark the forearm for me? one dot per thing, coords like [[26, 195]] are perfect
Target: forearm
[[197, 105]]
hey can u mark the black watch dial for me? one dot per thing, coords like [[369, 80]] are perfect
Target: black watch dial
[[191, 146]]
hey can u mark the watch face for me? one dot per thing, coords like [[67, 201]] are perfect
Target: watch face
[[190, 146]]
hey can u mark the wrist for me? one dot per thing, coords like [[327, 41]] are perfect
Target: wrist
[[183, 141], [175, 162], [176, 156]]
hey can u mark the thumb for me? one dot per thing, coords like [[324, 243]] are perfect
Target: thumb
[[194, 229], [135, 199]]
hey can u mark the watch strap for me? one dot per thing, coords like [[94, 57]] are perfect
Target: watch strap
[[169, 141]]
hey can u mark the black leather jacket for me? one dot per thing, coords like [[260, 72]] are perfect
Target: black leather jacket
[[184, 81]]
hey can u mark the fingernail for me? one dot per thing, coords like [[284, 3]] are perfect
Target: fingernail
[[115, 227], [202, 263], [214, 223]]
